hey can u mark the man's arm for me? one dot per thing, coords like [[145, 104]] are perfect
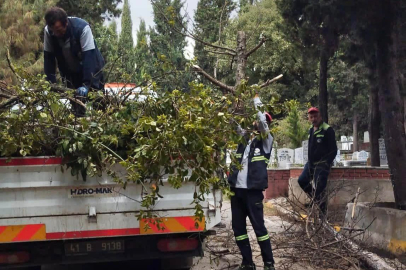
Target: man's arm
[[88, 56], [49, 58], [263, 126], [332, 145]]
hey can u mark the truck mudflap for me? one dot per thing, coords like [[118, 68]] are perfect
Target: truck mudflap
[[105, 249]]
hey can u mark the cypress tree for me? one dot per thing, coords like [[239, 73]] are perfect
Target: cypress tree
[[126, 42]]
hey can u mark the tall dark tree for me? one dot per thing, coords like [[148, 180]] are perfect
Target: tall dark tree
[[319, 24], [126, 42], [21, 28], [388, 25], [93, 11], [142, 53], [378, 25], [211, 17], [167, 43]]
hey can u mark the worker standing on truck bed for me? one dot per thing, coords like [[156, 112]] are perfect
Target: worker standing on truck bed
[[69, 41], [248, 186], [322, 152]]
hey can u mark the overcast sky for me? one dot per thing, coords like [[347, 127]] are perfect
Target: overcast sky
[[142, 9]]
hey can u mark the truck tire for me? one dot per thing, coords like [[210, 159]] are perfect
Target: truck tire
[[177, 263]]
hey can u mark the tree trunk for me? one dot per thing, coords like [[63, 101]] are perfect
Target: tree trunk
[[323, 95], [241, 57], [390, 99], [355, 146], [374, 123], [404, 112]]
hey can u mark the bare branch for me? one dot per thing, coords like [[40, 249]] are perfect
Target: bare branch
[[11, 64], [223, 86], [224, 53], [5, 95], [77, 101], [268, 82], [263, 40]]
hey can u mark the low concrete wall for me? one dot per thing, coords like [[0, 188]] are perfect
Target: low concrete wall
[[343, 184], [385, 226]]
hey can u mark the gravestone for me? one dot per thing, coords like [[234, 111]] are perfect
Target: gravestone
[[362, 155], [366, 137], [285, 157], [305, 146], [299, 156], [337, 158], [346, 142], [382, 152]]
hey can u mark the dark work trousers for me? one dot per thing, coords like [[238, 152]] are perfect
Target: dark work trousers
[[318, 173], [248, 203]]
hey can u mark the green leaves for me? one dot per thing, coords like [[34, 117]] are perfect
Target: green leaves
[[182, 135]]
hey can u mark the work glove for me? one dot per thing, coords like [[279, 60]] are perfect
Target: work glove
[[82, 91]]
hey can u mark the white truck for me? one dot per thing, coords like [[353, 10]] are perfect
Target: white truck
[[48, 217]]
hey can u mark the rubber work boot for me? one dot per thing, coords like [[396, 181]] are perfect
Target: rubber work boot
[[247, 267], [269, 267]]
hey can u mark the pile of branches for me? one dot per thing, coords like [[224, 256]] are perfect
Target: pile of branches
[[320, 240], [185, 135]]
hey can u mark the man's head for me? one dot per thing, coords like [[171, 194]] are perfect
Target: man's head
[[314, 116], [57, 21]]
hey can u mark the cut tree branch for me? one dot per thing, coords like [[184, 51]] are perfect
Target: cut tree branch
[[223, 53], [213, 80], [263, 40], [268, 82], [11, 65]]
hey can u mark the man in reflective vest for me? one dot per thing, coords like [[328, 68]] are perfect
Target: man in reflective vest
[[321, 154], [248, 185]]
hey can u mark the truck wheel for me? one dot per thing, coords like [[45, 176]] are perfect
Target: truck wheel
[[177, 263]]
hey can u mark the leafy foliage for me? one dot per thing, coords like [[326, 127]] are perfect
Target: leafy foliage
[[167, 43], [279, 55], [126, 42], [211, 18], [93, 11], [292, 130], [20, 33], [181, 134], [142, 54]]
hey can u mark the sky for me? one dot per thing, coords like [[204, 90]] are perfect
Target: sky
[[142, 9]]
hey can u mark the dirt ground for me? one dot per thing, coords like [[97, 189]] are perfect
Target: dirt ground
[[222, 253]]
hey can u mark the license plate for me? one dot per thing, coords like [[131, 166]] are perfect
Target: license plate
[[86, 247]]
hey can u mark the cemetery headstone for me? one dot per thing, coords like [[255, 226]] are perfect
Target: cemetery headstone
[[382, 152], [366, 137], [285, 157], [338, 158], [305, 146], [299, 156], [362, 155]]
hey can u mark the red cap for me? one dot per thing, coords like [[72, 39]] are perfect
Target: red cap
[[313, 109], [268, 117]]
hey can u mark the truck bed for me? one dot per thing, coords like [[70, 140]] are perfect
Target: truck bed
[[41, 203]]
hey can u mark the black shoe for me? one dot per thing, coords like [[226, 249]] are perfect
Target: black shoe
[[247, 267], [269, 267]]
